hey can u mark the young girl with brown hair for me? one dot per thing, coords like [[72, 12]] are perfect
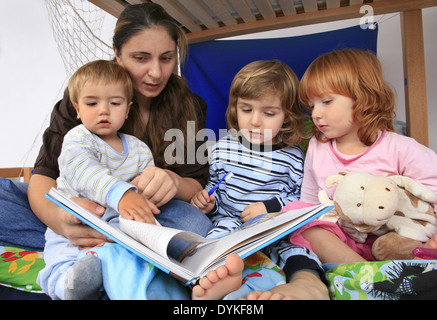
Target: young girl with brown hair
[[262, 151]]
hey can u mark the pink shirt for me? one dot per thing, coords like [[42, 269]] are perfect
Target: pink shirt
[[391, 154]]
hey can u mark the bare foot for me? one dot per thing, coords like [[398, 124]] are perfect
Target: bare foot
[[303, 286], [220, 282]]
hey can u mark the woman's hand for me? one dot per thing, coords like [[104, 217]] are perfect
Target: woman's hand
[[157, 185], [78, 233], [59, 220]]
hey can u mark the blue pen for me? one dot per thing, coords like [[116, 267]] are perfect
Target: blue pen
[[226, 177]]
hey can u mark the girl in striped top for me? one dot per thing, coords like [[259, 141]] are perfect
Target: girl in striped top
[[262, 151]]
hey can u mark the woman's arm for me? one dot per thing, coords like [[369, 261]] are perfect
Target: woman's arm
[[59, 220], [188, 187]]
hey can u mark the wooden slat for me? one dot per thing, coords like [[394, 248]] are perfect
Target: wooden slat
[[24, 172], [336, 14], [414, 72], [200, 13], [243, 10], [309, 5], [179, 15], [287, 7], [330, 4], [265, 8], [355, 2], [220, 11], [251, 25]]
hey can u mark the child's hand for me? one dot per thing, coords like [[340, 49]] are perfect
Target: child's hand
[[203, 201], [253, 210], [134, 206]]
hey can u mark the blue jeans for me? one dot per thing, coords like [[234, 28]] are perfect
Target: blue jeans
[[19, 226]]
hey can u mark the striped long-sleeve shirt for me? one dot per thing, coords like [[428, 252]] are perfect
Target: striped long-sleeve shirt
[[90, 168], [271, 175]]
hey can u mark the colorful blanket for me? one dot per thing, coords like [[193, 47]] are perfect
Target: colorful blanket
[[19, 269], [384, 280], [379, 280]]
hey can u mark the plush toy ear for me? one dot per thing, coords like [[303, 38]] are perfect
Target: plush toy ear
[[415, 188], [335, 178], [323, 197]]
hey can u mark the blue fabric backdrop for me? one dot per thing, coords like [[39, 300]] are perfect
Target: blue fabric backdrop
[[212, 65]]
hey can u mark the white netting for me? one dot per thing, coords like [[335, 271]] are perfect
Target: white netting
[[77, 25]]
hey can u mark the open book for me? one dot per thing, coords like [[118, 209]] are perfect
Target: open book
[[150, 242]]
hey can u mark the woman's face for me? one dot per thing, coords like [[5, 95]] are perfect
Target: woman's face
[[150, 57]]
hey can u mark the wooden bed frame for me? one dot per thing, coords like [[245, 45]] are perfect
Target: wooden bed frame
[[206, 20], [25, 173]]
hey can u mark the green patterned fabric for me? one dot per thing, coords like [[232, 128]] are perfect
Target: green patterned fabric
[[379, 280], [383, 280], [19, 269]]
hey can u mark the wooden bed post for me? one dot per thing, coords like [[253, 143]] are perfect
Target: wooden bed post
[[414, 73]]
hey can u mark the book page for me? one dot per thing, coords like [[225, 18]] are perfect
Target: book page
[[156, 237], [252, 236], [167, 265], [262, 229]]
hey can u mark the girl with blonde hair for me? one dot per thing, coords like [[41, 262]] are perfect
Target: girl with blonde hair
[[262, 151]]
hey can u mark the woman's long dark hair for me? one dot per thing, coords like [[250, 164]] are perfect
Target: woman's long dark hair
[[174, 106]]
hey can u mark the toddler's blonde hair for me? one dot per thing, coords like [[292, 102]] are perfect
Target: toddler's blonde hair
[[99, 71]]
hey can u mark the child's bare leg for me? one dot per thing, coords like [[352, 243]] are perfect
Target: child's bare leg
[[220, 282], [303, 285], [329, 248]]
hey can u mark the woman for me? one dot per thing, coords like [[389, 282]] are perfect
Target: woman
[[147, 42]]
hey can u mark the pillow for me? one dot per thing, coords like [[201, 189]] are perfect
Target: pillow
[[383, 280], [19, 269]]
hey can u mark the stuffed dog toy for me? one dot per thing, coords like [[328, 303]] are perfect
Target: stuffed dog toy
[[396, 208]]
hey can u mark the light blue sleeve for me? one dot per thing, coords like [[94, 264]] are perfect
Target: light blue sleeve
[[116, 193]]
